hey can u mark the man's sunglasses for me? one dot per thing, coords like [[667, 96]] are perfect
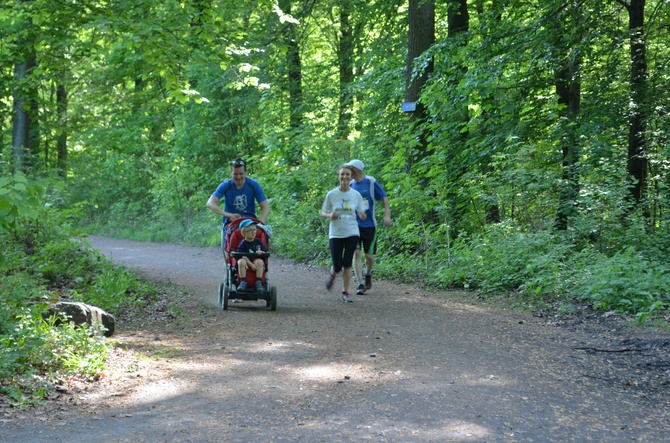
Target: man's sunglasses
[[238, 163]]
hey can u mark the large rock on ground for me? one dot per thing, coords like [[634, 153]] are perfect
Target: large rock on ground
[[81, 313]]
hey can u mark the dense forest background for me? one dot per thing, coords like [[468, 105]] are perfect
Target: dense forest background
[[531, 155]]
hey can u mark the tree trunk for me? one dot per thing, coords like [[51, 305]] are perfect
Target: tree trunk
[[637, 158], [492, 209], [421, 36], [568, 89], [294, 82], [25, 129], [345, 57], [21, 124], [61, 140], [458, 25], [458, 18]]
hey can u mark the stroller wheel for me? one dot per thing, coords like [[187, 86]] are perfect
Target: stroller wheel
[[272, 302], [226, 294]]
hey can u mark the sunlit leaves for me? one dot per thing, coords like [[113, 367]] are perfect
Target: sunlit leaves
[[284, 18], [19, 199]]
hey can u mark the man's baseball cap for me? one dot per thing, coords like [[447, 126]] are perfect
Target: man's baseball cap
[[247, 222], [356, 164]]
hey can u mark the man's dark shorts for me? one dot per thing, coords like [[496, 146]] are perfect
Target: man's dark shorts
[[368, 242]]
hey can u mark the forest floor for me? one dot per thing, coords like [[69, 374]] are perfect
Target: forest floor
[[400, 364]]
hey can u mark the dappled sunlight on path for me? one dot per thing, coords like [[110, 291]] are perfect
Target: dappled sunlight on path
[[397, 365]]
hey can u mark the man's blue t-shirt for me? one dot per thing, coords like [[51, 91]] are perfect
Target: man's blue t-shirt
[[240, 201], [364, 188]]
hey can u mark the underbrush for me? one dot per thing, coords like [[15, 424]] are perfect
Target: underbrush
[[37, 352], [204, 229], [43, 262], [544, 267]]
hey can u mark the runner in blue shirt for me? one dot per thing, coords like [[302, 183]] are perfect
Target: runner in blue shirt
[[240, 194], [371, 191]]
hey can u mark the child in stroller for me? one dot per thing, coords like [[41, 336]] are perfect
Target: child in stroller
[[254, 250], [246, 247]]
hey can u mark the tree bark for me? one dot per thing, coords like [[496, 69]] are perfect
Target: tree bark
[[294, 81], [492, 208], [568, 89], [21, 124], [637, 156], [459, 23], [345, 56], [61, 140], [421, 36]]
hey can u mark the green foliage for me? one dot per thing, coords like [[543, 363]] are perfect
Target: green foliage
[[77, 272], [503, 260], [162, 95], [19, 204], [34, 352], [115, 288], [548, 266], [19, 199], [45, 263], [627, 281], [299, 231]]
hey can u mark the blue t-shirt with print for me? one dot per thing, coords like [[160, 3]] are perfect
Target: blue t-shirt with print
[[363, 187], [240, 201]]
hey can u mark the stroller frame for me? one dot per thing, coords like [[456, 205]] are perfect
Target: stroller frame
[[228, 287]]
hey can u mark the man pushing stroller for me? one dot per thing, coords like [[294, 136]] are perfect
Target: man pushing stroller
[[240, 193]]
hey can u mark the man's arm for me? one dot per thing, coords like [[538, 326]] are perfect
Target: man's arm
[[265, 210], [213, 205], [361, 213], [387, 212]]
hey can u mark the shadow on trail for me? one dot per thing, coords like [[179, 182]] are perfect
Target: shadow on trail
[[397, 365]]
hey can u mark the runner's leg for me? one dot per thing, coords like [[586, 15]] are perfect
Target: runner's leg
[[358, 265]]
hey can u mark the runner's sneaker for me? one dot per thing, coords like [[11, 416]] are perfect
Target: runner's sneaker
[[368, 281], [259, 286], [330, 281], [360, 290], [242, 286], [346, 298]]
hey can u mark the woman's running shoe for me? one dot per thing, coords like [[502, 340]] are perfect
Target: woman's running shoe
[[330, 281]]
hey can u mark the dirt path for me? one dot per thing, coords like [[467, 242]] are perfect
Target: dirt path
[[397, 365]]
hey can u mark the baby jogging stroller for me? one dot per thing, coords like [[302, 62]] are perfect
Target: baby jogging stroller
[[228, 288]]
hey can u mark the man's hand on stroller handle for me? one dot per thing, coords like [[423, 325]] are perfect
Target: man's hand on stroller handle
[[232, 216]]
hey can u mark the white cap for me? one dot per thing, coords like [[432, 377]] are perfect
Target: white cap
[[356, 164]]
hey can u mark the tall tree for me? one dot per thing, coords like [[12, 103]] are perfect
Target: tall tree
[[459, 25], [23, 130], [61, 138], [637, 126], [421, 36], [489, 19], [568, 90], [345, 58], [294, 77]]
